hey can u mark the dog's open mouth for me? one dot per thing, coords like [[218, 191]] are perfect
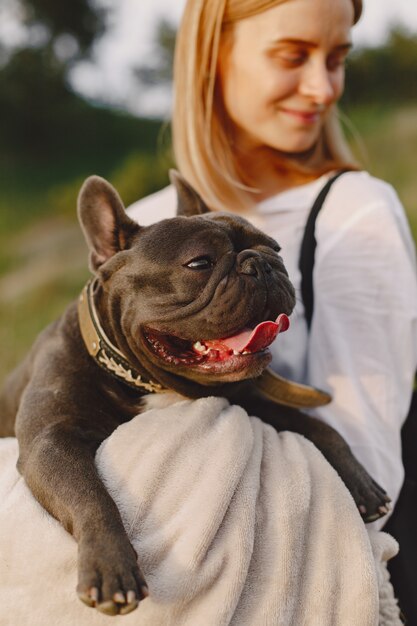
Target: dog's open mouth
[[248, 341]]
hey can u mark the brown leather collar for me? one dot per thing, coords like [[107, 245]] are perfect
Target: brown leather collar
[[110, 358], [101, 348]]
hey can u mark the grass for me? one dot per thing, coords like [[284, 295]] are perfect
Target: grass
[[390, 137], [43, 258], [48, 266], [24, 316]]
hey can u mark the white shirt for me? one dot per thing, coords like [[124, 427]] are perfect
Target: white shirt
[[362, 347]]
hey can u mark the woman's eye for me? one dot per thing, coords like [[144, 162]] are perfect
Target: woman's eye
[[200, 263], [292, 58]]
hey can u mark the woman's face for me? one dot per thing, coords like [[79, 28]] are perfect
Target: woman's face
[[282, 69]]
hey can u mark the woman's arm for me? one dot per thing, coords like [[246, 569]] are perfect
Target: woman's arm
[[363, 342]]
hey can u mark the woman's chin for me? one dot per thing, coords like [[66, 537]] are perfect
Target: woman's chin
[[297, 146]]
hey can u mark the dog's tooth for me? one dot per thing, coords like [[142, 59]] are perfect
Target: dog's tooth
[[199, 346], [246, 352], [236, 352]]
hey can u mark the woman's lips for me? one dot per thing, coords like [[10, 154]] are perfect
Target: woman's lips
[[306, 117]]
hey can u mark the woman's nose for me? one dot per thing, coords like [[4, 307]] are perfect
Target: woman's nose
[[317, 84]]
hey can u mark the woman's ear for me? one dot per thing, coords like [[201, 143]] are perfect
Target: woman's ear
[[106, 227], [189, 202]]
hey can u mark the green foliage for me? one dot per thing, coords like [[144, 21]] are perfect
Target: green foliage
[[390, 138], [40, 116], [42, 119], [33, 99], [24, 316], [137, 176], [80, 19], [91, 141], [385, 74], [140, 176]]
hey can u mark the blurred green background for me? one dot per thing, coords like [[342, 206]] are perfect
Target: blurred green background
[[51, 139]]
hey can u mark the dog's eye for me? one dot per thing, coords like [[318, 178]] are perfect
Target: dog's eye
[[201, 263], [275, 247]]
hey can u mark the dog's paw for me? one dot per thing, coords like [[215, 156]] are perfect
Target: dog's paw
[[109, 576], [371, 499]]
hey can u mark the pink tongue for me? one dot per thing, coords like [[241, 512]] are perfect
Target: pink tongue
[[259, 338]]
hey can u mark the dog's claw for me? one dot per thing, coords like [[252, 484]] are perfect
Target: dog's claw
[[108, 608], [128, 608], [372, 518], [122, 604], [89, 597], [86, 599]]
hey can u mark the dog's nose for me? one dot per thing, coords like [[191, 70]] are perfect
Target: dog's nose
[[250, 262]]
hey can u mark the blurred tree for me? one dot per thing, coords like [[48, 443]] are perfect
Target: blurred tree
[[35, 99], [386, 74], [72, 26], [33, 92]]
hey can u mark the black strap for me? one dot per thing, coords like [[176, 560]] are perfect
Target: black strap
[[308, 250]]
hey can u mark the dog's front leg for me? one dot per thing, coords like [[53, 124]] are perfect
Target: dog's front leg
[[370, 498], [57, 462]]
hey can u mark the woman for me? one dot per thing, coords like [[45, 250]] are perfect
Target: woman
[[256, 131]]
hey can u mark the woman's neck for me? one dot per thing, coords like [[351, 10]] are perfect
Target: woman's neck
[[262, 169]]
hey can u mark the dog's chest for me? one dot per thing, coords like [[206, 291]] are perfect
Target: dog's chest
[[161, 400]]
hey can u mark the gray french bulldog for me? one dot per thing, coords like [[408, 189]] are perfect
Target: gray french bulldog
[[188, 304]]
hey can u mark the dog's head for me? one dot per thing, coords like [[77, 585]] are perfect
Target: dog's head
[[200, 296]]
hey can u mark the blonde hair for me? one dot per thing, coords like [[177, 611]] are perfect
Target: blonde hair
[[202, 146]]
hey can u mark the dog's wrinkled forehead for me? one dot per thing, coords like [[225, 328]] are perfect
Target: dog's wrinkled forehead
[[181, 238], [243, 234]]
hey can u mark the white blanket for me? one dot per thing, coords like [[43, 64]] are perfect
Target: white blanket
[[234, 524]]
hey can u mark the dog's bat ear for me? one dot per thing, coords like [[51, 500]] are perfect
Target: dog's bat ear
[[189, 202], [106, 226]]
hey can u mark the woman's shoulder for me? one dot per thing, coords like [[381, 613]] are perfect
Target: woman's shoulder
[[360, 196], [359, 188], [360, 203], [158, 206]]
